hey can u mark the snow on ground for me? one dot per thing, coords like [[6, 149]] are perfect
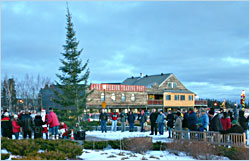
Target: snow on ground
[[120, 135], [116, 154], [4, 151]]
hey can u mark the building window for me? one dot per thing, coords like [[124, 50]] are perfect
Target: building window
[[168, 97], [190, 97], [113, 97], [176, 97], [183, 97], [175, 85], [170, 84], [133, 97], [102, 96], [123, 97]]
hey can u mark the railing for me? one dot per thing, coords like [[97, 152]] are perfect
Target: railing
[[211, 137], [155, 102]]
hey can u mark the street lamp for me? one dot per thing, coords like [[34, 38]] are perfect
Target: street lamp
[[215, 104]]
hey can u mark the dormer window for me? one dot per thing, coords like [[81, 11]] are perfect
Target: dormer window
[[172, 85]]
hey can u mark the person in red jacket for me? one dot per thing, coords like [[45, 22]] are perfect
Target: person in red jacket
[[225, 121], [114, 116], [65, 128], [16, 127], [53, 124]]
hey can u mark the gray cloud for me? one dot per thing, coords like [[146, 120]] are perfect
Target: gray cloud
[[197, 41]]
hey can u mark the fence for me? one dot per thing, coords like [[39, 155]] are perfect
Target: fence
[[211, 137]]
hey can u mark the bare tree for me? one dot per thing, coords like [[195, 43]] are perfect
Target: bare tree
[[9, 86]]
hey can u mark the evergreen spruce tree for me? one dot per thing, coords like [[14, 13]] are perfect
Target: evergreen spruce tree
[[73, 80]]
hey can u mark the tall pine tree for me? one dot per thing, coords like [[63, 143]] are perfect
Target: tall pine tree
[[73, 80]]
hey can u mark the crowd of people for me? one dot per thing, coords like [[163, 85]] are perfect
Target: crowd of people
[[223, 121], [32, 123], [37, 124]]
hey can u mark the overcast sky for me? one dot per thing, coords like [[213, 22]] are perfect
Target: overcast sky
[[204, 44]]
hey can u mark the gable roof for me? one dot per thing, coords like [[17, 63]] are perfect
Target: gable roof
[[147, 80]]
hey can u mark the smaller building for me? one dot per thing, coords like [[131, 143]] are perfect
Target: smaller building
[[178, 99]]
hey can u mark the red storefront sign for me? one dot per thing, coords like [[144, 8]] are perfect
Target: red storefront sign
[[117, 87], [200, 102]]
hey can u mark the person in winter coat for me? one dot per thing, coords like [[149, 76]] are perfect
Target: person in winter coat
[[65, 129], [243, 122], [215, 123], [131, 121], [192, 120], [53, 124], [235, 128], [16, 127], [160, 121], [27, 124], [143, 118], [6, 125], [178, 125], [114, 117], [170, 124], [103, 118], [153, 118], [178, 122], [38, 122], [204, 120], [225, 121], [123, 121]]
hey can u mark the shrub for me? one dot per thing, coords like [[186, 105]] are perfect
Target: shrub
[[159, 146], [22, 147], [52, 155], [95, 145], [5, 156], [196, 149], [71, 150], [233, 153], [138, 144], [115, 144]]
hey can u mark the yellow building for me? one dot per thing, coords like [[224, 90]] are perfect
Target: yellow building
[[178, 99]]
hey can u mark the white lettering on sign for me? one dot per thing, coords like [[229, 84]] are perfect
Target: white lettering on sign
[[114, 87]]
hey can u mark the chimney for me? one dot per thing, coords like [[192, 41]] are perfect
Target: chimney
[[141, 75]]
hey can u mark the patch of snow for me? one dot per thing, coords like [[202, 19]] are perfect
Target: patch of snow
[[120, 135], [116, 154], [4, 151], [40, 151]]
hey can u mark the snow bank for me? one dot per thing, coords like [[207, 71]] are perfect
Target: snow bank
[[120, 135], [116, 154]]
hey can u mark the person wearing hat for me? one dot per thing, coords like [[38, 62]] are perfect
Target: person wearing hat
[[215, 123], [16, 127], [160, 121], [6, 125], [44, 116], [204, 120]]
